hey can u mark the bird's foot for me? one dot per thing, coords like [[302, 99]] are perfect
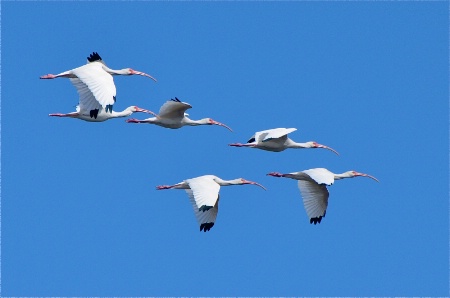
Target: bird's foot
[[132, 120], [236, 145], [275, 174], [57, 115], [48, 76], [160, 187]]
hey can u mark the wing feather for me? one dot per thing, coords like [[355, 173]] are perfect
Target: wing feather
[[173, 109], [267, 135], [99, 82], [205, 191], [315, 199], [87, 101], [320, 175], [205, 219]]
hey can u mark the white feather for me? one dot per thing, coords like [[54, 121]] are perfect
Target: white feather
[[203, 217], [173, 109], [205, 190], [320, 175], [275, 133], [99, 82], [315, 198]]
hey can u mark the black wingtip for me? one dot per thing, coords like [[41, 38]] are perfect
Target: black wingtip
[[206, 226], [93, 113], [176, 99], [94, 57], [316, 220]]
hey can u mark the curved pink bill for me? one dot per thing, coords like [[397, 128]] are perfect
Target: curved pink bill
[[326, 147], [221, 124], [138, 109], [254, 183], [366, 175], [135, 72]]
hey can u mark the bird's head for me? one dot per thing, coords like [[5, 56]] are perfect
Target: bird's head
[[313, 144], [210, 121], [243, 181], [355, 174], [130, 71]]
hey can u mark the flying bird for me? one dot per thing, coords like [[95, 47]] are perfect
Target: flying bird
[[99, 114], [276, 140], [173, 115], [95, 77], [313, 188], [203, 194]]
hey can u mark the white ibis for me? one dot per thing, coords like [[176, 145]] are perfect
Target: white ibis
[[172, 115], [203, 194], [97, 78], [276, 140], [99, 115], [313, 188]]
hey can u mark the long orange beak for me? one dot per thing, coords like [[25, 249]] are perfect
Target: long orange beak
[[135, 72], [366, 175], [316, 145], [254, 183]]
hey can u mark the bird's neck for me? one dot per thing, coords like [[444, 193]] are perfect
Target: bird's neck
[[191, 122], [294, 145], [222, 182], [114, 72], [342, 176], [125, 113]]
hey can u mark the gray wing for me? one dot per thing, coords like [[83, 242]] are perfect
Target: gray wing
[[273, 134], [315, 199], [173, 109]]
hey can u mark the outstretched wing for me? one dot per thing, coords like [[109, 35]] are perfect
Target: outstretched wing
[[205, 191], [320, 175], [315, 199], [206, 218], [271, 134], [173, 109], [99, 82], [87, 101]]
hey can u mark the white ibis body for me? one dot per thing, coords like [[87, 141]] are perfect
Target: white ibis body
[[276, 140], [99, 114], [203, 194], [173, 115], [313, 188], [96, 78]]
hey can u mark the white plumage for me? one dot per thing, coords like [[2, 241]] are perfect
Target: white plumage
[[172, 114], [96, 77], [203, 194], [277, 140], [89, 109], [313, 188]]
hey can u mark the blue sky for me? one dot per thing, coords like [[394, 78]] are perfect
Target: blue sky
[[80, 213]]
